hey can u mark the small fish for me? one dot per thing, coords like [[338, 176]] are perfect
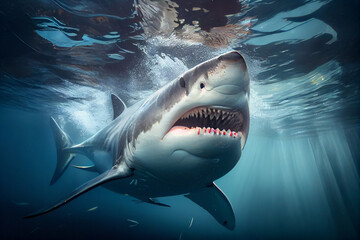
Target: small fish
[[135, 223], [21, 203], [180, 237], [191, 222], [78, 166], [34, 230], [134, 181], [92, 209]]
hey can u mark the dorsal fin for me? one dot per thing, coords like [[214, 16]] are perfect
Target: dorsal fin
[[118, 105]]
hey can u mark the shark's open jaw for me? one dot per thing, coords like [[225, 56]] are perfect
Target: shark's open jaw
[[213, 119]]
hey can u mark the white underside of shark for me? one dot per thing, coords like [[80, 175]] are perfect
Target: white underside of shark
[[176, 142]]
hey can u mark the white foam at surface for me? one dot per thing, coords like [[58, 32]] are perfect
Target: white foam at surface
[[164, 68], [88, 115]]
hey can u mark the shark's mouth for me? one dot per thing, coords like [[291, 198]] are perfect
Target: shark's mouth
[[212, 120]]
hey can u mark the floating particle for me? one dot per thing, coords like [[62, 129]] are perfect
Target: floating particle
[[92, 209]]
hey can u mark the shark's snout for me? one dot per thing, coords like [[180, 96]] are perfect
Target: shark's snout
[[233, 56], [230, 76]]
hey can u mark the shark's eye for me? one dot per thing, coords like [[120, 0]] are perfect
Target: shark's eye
[[182, 82], [202, 85]]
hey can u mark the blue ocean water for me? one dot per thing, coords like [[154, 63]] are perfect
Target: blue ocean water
[[298, 176]]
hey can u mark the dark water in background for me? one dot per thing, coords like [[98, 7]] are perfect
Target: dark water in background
[[299, 173]]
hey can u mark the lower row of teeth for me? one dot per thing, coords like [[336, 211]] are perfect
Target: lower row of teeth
[[218, 132]]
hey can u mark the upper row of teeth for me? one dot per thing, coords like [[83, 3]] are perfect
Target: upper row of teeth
[[213, 113], [217, 132]]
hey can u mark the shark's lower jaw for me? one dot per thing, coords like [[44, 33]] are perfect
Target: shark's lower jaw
[[211, 121]]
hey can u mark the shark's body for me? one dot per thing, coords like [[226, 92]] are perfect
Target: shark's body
[[178, 141]]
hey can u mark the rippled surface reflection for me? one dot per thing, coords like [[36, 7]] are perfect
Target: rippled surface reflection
[[299, 175]]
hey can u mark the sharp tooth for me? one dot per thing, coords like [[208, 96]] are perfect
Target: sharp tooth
[[211, 116], [200, 114], [217, 116], [224, 115], [219, 111], [242, 140]]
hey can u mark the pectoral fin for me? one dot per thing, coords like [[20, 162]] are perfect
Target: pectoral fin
[[113, 174], [213, 200]]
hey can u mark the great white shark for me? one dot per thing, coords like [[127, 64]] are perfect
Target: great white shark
[[177, 141]]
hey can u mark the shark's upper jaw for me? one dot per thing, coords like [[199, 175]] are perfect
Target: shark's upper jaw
[[212, 120]]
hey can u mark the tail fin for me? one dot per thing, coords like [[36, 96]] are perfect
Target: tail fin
[[62, 142]]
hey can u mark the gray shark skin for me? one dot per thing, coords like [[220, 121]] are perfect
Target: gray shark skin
[[176, 142]]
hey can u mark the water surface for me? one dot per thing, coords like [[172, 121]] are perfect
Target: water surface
[[299, 173]]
